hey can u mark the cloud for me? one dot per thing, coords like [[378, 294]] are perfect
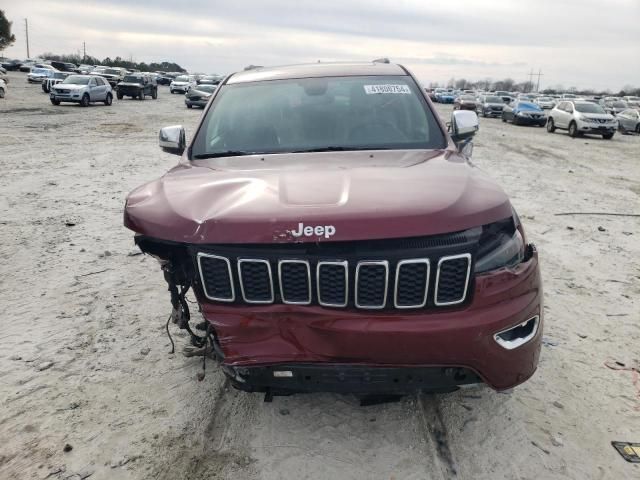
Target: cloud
[[466, 38]]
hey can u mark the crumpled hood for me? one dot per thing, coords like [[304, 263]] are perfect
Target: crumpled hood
[[362, 195]]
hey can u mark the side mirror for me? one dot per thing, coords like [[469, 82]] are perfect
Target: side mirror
[[464, 125], [172, 139]]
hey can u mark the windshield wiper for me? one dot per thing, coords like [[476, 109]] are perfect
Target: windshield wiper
[[338, 149], [228, 153]]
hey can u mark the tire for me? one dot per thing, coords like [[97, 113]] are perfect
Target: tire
[[515, 120], [154, 93], [141, 95], [109, 100], [637, 126], [54, 101], [189, 105], [504, 119], [573, 130], [171, 92], [608, 136], [1, 92], [119, 95], [551, 127], [85, 100]]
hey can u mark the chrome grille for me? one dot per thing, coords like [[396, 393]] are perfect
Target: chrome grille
[[363, 283], [256, 282], [372, 282], [452, 279]]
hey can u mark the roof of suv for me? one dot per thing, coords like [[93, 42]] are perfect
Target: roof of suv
[[312, 70]]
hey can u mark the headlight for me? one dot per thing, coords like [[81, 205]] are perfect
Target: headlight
[[521, 114], [508, 252]]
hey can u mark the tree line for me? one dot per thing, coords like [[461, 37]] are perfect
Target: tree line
[[116, 62]]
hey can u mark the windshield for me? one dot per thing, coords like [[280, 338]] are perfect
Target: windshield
[[76, 80], [39, 70], [468, 98], [182, 78], [493, 100], [589, 108], [111, 71], [527, 106], [206, 88], [132, 79], [318, 114], [620, 104]]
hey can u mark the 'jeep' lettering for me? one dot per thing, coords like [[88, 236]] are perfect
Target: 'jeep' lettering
[[319, 230]]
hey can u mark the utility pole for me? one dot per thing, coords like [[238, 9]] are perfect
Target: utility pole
[[26, 29], [84, 52], [540, 74]]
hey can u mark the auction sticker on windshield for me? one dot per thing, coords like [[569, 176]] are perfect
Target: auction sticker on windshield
[[374, 89]]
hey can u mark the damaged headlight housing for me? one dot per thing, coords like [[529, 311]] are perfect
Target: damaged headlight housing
[[501, 246]]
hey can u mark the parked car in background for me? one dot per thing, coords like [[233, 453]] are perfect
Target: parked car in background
[[3, 70], [629, 120], [27, 65], [84, 69], [580, 117], [112, 75], [632, 101], [64, 66], [137, 86], [82, 89], [506, 96], [54, 79], [546, 103], [524, 113], [445, 96], [3, 88], [490, 106], [182, 84], [614, 106], [199, 96], [12, 65], [465, 102], [210, 80], [38, 74]]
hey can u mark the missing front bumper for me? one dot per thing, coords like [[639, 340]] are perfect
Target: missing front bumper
[[354, 379]]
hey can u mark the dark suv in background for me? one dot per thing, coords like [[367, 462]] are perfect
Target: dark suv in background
[[137, 86]]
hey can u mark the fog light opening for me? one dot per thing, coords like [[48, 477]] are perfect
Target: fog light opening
[[518, 335]]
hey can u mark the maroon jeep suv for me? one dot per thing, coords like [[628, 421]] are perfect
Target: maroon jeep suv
[[337, 238]]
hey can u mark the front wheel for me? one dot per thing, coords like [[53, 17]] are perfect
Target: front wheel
[[154, 93], [607, 136], [1, 92], [189, 105], [108, 100], [550, 125], [119, 95], [637, 126], [504, 118], [85, 100], [573, 130], [54, 101]]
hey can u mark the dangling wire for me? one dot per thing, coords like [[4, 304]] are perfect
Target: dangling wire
[[173, 346]]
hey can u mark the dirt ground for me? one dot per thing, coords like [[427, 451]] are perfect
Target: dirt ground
[[84, 359]]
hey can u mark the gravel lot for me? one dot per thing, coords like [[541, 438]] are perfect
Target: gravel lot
[[85, 359]]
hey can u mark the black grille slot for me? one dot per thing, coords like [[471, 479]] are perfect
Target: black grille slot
[[295, 282], [216, 278], [332, 284], [371, 284], [411, 284], [452, 279], [255, 280]]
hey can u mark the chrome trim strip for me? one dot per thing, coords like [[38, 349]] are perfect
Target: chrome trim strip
[[255, 260], [466, 285], [344, 264], [304, 262], [426, 287], [204, 285], [385, 264], [512, 344]]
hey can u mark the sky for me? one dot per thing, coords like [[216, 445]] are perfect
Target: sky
[[575, 43]]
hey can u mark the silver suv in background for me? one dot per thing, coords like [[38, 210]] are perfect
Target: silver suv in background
[[82, 89], [580, 117], [182, 83], [490, 105]]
